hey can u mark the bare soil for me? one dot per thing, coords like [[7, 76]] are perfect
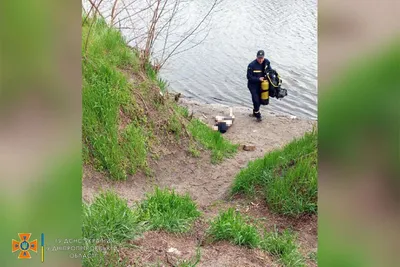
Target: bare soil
[[209, 185], [166, 249]]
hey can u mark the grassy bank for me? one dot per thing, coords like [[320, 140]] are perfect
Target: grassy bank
[[109, 218], [286, 178], [106, 93], [129, 117], [127, 111], [232, 226]]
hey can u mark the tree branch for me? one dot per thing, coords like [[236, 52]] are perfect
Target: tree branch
[[113, 12], [96, 7], [191, 32]]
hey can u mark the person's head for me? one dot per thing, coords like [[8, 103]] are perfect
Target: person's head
[[260, 56]]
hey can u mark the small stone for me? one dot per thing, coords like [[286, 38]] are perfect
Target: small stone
[[249, 147], [174, 251]]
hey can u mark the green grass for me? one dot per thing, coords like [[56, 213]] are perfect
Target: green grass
[[134, 141], [287, 177], [165, 209], [109, 218], [231, 226], [182, 110], [283, 246], [152, 74], [105, 92], [212, 140], [175, 126]]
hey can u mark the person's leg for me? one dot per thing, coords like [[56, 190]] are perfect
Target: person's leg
[[255, 97]]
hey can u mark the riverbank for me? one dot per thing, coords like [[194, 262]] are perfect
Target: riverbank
[[206, 182], [209, 186], [137, 137]]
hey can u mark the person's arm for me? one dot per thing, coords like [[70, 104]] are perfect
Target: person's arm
[[250, 75]]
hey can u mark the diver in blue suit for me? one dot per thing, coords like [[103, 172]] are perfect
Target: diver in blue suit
[[256, 72]]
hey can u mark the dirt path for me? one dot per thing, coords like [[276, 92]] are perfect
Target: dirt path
[[209, 185]]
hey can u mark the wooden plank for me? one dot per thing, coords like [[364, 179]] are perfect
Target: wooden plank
[[223, 118], [228, 122], [231, 114]]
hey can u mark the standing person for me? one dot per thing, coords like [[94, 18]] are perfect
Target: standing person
[[255, 75]]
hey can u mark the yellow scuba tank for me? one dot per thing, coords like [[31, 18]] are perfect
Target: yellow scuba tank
[[264, 92]]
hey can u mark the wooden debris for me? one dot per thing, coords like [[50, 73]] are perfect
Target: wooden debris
[[228, 120], [231, 114], [249, 147], [223, 118]]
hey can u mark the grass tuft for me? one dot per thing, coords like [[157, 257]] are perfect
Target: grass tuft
[[231, 226], [212, 140], [152, 75], [109, 218], [183, 111], [194, 151], [175, 126], [134, 141], [287, 177], [283, 246], [164, 209]]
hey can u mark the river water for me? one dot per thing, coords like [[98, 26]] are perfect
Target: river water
[[215, 70]]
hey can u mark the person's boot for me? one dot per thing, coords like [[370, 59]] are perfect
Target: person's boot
[[257, 115]]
